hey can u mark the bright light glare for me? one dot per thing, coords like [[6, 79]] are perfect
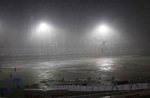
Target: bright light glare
[[102, 31], [43, 27], [43, 30], [103, 28]]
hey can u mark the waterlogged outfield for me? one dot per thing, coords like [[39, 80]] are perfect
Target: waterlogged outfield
[[41, 72]]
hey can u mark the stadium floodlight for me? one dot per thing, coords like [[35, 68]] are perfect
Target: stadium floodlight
[[103, 29], [102, 32], [43, 27]]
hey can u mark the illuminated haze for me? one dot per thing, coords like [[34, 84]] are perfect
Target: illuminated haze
[[72, 24]]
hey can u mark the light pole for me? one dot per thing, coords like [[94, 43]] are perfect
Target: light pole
[[102, 33], [42, 32]]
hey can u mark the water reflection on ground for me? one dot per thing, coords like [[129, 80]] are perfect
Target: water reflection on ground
[[105, 64], [82, 68]]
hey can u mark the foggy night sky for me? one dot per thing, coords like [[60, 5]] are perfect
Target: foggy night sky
[[18, 17]]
